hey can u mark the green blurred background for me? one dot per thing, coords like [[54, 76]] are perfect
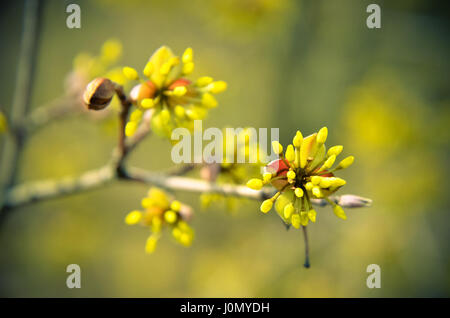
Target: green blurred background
[[383, 93]]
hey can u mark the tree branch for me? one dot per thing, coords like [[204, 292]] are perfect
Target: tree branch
[[22, 93], [30, 192]]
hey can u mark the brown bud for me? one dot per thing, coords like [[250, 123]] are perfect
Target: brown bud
[[99, 93], [141, 91]]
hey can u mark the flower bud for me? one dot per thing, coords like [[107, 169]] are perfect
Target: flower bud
[[295, 220], [290, 153], [329, 162], [188, 55], [304, 218], [255, 184], [317, 192], [290, 174], [298, 139], [335, 150], [346, 162], [267, 176], [322, 135], [133, 217], [312, 215], [316, 180], [175, 205], [266, 205], [339, 212], [151, 243], [130, 73], [288, 210], [217, 87], [99, 93], [277, 147], [170, 216], [298, 192]]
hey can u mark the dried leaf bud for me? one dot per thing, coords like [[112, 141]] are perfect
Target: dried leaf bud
[[99, 93], [143, 91]]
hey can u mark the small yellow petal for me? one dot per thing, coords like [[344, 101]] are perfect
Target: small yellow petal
[[316, 180], [188, 68], [203, 81], [188, 55], [317, 192], [329, 162], [290, 174], [298, 139], [337, 182], [147, 103], [151, 243], [304, 219], [295, 220], [312, 215], [175, 205], [136, 115], [180, 91], [266, 206], [337, 209], [148, 69], [346, 162], [208, 100], [179, 111], [170, 216], [290, 153], [298, 192], [277, 147], [133, 217], [130, 128], [255, 184], [322, 135], [288, 210], [130, 73], [267, 177], [217, 87], [325, 183], [335, 150]]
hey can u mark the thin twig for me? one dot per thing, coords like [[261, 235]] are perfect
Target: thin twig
[[22, 93], [53, 110]]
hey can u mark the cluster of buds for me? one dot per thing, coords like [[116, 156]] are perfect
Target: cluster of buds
[[162, 210], [303, 172], [176, 101]]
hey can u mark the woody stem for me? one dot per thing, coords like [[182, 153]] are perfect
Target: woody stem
[[305, 238]]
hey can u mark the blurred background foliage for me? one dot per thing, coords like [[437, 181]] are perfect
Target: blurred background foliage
[[291, 64]]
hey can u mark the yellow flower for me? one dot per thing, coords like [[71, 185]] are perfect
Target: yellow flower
[[176, 100], [303, 173], [159, 211]]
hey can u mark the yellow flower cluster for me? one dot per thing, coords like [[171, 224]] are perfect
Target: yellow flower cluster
[[176, 101], [304, 171], [161, 210]]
